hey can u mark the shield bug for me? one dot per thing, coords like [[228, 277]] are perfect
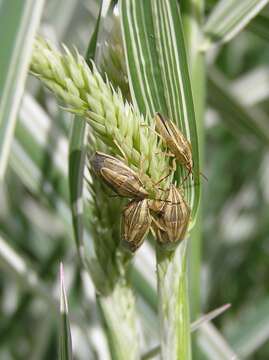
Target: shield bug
[[120, 177], [170, 225], [136, 222], [179, 146]]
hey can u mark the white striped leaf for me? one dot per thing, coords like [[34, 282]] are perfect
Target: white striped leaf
[[18, 23], [160, 82], [158, 72], [228, 18]]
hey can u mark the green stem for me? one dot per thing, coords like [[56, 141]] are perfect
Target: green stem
[[173, 303], [118, 309]]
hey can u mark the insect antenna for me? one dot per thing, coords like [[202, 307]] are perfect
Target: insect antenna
[[190, 171], [162, 179]]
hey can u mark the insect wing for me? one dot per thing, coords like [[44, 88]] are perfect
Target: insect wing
[[171, 224], [136, 222], [125, 185], [122, 179], [161, 127], [181, 146], [176, 214], [175, 140], [101, 160]]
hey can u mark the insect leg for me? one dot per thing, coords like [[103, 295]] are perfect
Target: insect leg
[[121, 150]]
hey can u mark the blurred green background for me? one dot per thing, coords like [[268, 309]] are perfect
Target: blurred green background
[[35, 220]]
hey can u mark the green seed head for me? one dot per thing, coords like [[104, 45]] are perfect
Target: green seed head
[[117, 123]]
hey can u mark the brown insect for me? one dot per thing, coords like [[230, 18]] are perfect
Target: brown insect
[[170, 224], [179, 146], [169, 216], [120, 177], [136, 222]]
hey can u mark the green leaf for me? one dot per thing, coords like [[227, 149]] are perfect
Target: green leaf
[[14, 263], [65, 334], [228, 18], [18, 23], [47, 152], [251, 122], [39, 159], [158, 71], [159, 82], [76, 162], [77, 153], [209, 317], [214, 345], [93, 42], [252, 329]]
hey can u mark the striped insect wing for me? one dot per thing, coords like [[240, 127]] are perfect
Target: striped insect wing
[[161, 127], [179, 214], [171, 224], [101, 160], [121, 178], [174, 140], [124, 183], [181, 147], [136, 221]]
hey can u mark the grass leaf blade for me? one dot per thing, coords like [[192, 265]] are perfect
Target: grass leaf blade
[[16, 41], [160, 82], [214, 345], [93, 42], [252, 331], [158, 71], [228, 18], [65, 334], [76, 161]]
